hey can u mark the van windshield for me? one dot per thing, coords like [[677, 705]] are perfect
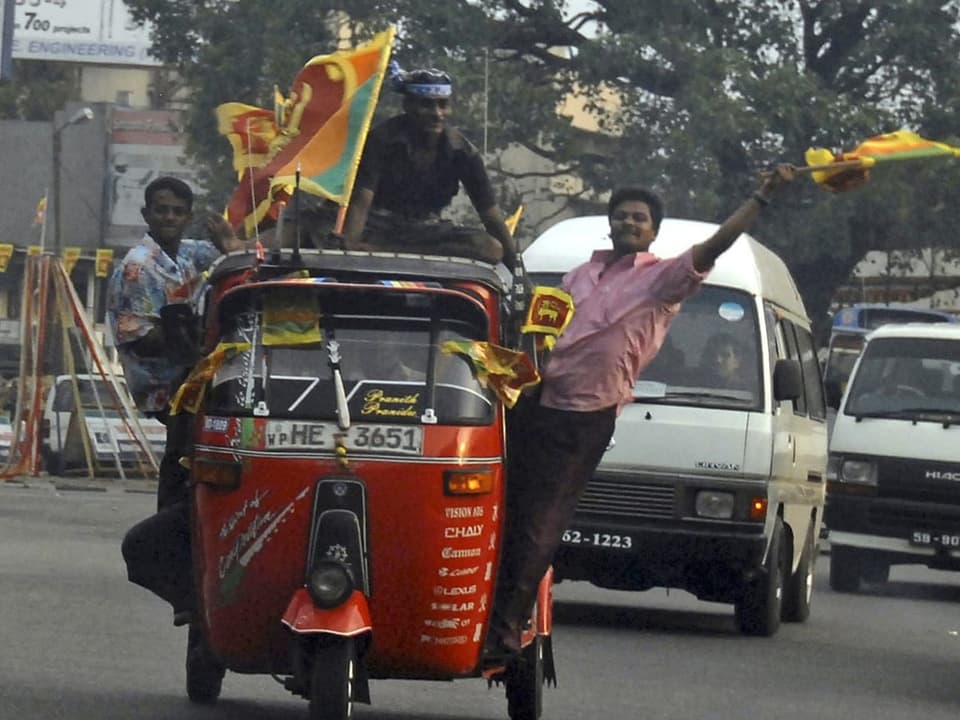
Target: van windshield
[[711, 356], [844, 350], [907, 377]]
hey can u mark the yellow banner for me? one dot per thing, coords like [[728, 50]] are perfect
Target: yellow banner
[[104, 262], [6, 252], [70, 257]]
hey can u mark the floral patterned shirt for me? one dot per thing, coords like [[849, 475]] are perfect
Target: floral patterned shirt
[[146, 280]]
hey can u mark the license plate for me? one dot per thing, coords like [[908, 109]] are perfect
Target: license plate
[[925, 537], [604, 540], [387, 439]]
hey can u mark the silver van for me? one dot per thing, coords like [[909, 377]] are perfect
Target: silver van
[[715, 479]]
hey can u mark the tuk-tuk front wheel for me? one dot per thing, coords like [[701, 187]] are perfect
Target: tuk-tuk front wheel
[[333, 679], [204, 672], [524, 681]]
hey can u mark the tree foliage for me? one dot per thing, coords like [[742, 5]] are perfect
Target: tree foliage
[[695, 97], [37, 90]]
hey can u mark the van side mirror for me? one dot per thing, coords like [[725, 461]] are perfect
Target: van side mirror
[[787, 380], [834, 393]]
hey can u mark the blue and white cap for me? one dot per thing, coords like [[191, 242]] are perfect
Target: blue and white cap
[[426, 83]]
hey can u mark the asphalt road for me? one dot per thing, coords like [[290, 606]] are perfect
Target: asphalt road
[[77, 641]]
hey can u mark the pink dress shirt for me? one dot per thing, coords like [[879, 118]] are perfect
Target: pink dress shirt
[[622, 312]]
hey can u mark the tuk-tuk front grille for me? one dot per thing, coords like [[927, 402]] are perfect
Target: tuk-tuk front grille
[[631, 499]]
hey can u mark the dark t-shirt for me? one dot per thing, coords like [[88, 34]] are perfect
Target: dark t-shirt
[[387, 168]]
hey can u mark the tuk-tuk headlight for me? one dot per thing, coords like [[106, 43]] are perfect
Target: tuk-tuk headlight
[[329, 584], [714, 504]]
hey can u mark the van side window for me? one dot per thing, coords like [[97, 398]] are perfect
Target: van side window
[[812, 380], [793, 352]]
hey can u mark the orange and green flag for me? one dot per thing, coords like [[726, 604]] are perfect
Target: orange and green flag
[[853, 167], [507, 372], [320, 128]]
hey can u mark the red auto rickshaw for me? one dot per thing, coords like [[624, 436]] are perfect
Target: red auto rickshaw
[[348, 475]]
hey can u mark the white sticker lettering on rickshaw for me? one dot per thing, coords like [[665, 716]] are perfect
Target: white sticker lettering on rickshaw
[[378, 403], [250, 542], [216, 424], [458, 572], [249, 504], [493, 541], [496, 512], [483, 603], [463, 513], [447, 624], [449, 553], [489, 572], [245, 539], [463, 531], [454, 591], [452, 607], [434, 640], [476, 632]]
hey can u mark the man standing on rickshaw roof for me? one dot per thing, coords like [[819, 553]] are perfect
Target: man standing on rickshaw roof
[[412, 167], [150, 308], [625, 299]]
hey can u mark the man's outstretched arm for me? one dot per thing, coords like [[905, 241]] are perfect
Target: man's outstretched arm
[[707, 252]]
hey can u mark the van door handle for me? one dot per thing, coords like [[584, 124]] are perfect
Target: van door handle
[[814, 477]]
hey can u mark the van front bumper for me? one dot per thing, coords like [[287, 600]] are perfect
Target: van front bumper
[[708, 558]]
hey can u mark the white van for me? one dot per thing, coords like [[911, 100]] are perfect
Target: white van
[[893, 492], [109, 433], [712, 486]]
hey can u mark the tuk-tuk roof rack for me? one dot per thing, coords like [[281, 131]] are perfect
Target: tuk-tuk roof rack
[[359, 265]]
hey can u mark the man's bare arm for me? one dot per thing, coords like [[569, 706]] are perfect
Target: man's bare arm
[[494, 224], [356, 219], [707, 252]]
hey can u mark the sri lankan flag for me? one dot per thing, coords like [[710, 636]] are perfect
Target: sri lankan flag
[[321, 131], [189, 395], [506, 372], [891, 147]]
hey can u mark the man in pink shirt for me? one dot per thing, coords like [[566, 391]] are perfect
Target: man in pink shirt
[[625, 299]]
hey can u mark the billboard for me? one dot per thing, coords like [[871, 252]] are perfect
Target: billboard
[[80, 31], [144, 144]]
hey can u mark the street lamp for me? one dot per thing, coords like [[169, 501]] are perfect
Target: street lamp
[[82, 115]]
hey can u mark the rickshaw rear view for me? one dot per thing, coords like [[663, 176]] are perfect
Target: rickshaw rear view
[[348, 478]]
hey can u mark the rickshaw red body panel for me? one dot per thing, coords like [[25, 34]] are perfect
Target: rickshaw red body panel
[[432, 556]]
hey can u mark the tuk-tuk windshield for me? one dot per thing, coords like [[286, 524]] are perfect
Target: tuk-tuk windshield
[[392, 367]]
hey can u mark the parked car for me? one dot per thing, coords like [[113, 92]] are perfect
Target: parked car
[[111, 432]]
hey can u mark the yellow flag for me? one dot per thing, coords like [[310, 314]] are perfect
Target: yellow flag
[[549, 312], [513, 220], [70, 257], [41, 211], [6, 252], [104, 262], [34, 250]]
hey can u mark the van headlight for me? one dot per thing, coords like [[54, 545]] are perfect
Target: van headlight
[[858, 472], [714, 504]]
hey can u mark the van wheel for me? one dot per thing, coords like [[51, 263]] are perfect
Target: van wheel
[[799, 588], [757, 612], [844, 569]]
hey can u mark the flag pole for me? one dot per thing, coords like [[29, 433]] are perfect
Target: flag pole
[[296, 216]]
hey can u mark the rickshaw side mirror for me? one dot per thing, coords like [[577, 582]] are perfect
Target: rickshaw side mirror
[[834, 393]]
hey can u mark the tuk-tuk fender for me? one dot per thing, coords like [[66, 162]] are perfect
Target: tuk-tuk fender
[[349, 619], [545, 604]]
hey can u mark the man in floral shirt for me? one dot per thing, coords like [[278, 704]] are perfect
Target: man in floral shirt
[[151, 313]]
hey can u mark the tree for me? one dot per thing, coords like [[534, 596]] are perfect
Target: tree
[[37, 90], [694, 97]]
